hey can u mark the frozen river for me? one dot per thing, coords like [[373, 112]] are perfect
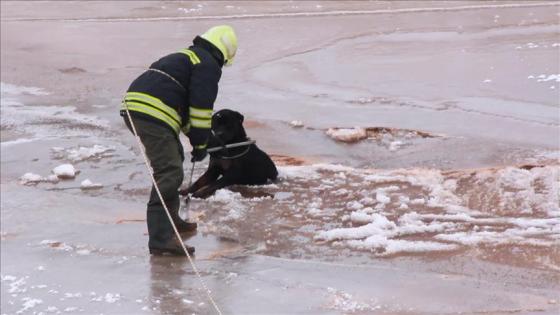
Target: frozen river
[[417, 144]]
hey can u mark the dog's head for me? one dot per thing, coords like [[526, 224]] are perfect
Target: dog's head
[[227, 126]]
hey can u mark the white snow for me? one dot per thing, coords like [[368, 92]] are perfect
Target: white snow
[[354, 205], [296, 123], [29, 303], [381, 197], [378, 225], [88, 184], [16, 285], [545, 77], [347, 303], [83, 153], [411, 210], [347, 135], [112, 298], [65, 171], [30, 178], [445, 212], [233, 200], [361, 217], [51, 309], [395, 145]]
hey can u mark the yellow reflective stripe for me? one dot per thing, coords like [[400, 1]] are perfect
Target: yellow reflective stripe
[[156, 109], [152, 112], [201, 113], [136, 96], [146, 97], [202, 146], [192, 56], [201, 123]]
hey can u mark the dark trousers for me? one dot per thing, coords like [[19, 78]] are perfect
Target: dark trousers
[[165, 153]]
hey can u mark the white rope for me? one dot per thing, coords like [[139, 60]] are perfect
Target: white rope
[[151, 172]]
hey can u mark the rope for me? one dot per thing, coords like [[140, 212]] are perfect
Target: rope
[[169, 76], [151, 172], [188, 201]]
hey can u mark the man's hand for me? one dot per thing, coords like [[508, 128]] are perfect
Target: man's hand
[[198, 155]]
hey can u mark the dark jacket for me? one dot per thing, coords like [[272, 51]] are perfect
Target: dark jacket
[[188, 86]]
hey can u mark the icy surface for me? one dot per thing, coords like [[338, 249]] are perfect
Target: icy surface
[[42, 122], [467, 221]]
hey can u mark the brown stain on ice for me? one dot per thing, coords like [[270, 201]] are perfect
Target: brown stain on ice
[[253, 124], [284, 160], [72, 70], [121, 221]]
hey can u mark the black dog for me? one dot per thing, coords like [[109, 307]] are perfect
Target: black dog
[[245, 165]]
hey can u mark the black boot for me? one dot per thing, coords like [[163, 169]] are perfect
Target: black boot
[[172, 248], [185, 227]]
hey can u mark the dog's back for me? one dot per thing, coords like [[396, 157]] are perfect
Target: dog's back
[[258, 167]]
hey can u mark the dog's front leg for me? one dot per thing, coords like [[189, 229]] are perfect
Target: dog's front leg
[[227, 180], [209, 176]]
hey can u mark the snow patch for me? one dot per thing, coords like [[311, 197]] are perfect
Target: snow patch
[[545, 77], [65, 171], [82, 153], [345, 302], [30, 178], [348, 135], [88, 184], [29, 303], [296, 123]]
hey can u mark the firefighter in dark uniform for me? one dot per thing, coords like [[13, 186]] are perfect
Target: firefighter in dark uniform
[[176, 94]]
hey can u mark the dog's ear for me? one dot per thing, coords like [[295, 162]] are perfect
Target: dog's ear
[[239, 117]]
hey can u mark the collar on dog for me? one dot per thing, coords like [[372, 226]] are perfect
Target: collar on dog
[[231, 145], [247, 143]]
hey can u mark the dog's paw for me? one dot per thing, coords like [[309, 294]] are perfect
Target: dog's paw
[[184, 191], [202, 193]]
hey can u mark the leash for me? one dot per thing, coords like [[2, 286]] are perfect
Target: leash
[[169, 76], [151, 172], [229, 146], [188, 199], [232, 145]]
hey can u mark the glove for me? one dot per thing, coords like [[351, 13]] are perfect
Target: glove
[[198, 155]]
